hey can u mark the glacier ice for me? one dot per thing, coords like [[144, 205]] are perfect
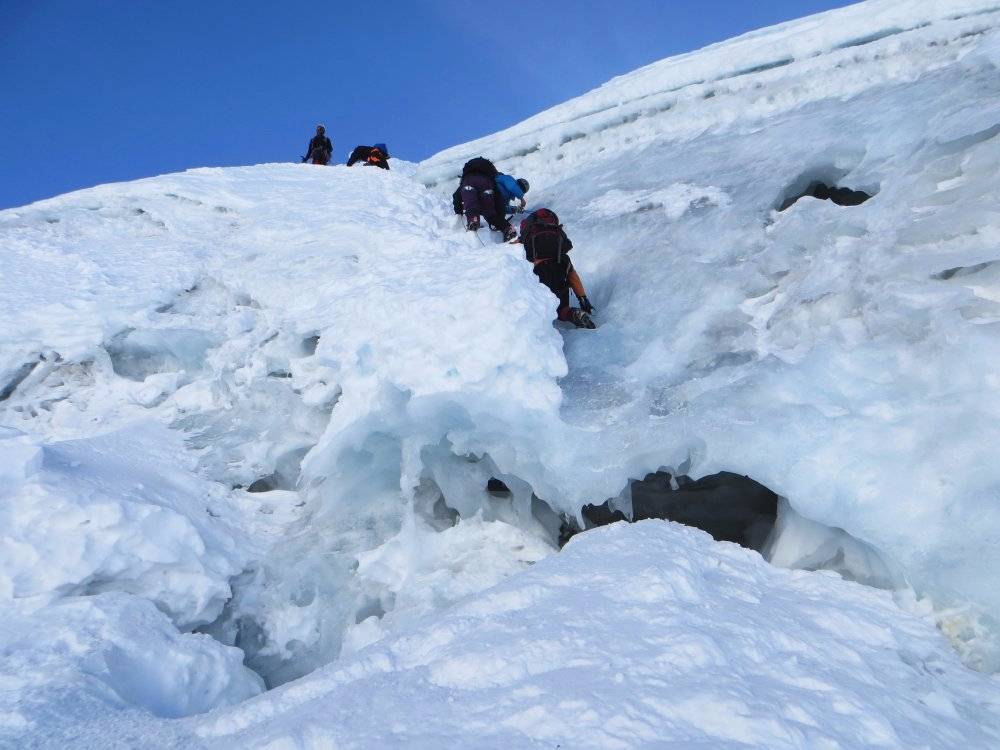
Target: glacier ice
[[816, 350], [169, 344]]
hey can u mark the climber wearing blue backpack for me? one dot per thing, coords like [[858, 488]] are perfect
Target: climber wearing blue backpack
[[512, 190]]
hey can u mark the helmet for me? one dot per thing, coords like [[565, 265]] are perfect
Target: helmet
[[523, 184], [383, 148]]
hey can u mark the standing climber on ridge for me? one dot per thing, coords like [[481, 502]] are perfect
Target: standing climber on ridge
[[320, 147], [372, 156], [477, 195], [511, 190], [546, 246]]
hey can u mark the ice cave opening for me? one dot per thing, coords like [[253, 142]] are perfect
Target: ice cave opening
[[733, 508], [823, 183]]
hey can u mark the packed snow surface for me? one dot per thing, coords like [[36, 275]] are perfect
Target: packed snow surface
[[645, 635], [248, 417]]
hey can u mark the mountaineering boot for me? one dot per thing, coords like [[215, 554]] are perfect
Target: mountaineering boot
[[509, 233], [581, 320], [473, 224]]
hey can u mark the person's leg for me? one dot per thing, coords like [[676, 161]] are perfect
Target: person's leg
[[574, 281], [565, 312], [553, 275], [470, 202], [489, 205], [472, 185]]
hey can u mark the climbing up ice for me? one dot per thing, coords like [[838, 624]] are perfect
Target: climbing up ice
[[249, 419]]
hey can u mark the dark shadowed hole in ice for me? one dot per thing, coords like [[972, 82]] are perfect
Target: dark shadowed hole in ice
[[19, 376], [822, 183], [286, 473], [840, 195], [309, 344], [264, 484], [730, 507]]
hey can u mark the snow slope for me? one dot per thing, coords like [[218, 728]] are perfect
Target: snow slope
[[248, 416], [844, 357], [202, 357]]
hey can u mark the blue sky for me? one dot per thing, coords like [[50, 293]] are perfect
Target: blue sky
[[103, 90]]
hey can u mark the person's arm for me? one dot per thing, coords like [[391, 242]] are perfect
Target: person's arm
[[516, 193], [309, 150], [512, 188]]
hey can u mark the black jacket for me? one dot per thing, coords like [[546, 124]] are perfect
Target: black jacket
[[320, 144], [364, 154]]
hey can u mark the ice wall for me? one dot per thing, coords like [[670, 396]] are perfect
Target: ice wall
[[842, 356]]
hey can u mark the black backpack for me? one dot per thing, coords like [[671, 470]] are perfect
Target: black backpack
[[320, 148], [480, 165], [543, 237]]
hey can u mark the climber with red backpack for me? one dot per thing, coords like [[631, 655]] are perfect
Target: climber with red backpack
[[372, 156], [547, 246]]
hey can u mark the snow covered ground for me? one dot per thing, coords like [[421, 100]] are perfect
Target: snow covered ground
[[646, 635], [248, 417]]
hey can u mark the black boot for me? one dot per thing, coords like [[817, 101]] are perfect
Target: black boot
[[581, 319], [473, 224]]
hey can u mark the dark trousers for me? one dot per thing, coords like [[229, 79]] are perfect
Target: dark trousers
[[479, 198], [555, 275]]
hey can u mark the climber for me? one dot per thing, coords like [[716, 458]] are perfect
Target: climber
[[477, 195], [547, 246], [511, 190], [372, 156], [320, 147]]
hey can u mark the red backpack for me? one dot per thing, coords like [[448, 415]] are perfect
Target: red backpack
[[543, 237]]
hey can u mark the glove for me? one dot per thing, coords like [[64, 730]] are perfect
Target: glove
[[523, 204], [585, 304]]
